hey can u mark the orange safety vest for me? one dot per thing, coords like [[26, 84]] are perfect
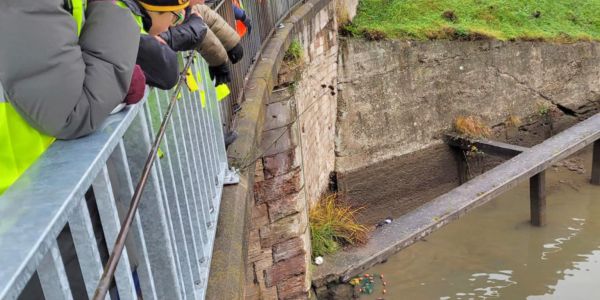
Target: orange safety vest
[[240, 27]]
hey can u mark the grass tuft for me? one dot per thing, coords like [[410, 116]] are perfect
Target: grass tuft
[[559, 21], [294, 53], [471, 127], [333, 225], [513, 121]]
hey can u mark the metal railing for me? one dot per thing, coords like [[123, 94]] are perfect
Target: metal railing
[[266, 16], [78, 191], [60, 219]]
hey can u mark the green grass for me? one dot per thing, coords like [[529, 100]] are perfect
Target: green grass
[[561, 21], [294, 52]]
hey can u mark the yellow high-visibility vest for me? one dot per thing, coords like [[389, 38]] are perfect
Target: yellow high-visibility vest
[[20, 144], [138, 19]]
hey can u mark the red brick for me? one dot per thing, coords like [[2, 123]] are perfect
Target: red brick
[[283, 230], [281, 163], [278, 187], [288, 249], [284, 270], [286, 206], [259, 216], [293, 288]]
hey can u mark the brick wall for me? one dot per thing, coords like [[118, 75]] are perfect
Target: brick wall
[[298, 156], [316, 101]]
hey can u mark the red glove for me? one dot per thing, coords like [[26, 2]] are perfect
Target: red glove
[[136, 87]]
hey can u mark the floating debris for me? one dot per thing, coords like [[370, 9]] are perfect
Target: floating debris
[[387, 220], [365, 283], [318, 260]]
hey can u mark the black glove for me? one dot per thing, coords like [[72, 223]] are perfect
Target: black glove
[[186, 36], [220, 73], [236, 53]]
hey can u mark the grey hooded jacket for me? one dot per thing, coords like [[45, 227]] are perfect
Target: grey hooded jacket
[[62, 84]]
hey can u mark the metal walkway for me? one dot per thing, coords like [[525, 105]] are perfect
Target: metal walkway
[[406, 230]]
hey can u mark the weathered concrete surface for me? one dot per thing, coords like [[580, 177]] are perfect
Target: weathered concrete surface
[[452, 205], [397, 97], [396, 186], [346, 10]]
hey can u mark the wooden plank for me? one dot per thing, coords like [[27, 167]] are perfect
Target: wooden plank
[[417, 224], [537, 199], [486, 146]]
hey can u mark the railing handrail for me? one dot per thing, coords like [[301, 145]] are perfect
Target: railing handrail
[[43, 197]]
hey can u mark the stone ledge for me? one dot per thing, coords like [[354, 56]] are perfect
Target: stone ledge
[[228, 267]]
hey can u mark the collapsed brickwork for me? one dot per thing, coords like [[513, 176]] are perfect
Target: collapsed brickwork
[[297, 152]]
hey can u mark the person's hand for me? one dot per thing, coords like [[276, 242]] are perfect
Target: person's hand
[[137, 86], [236, 53], [220, 74]]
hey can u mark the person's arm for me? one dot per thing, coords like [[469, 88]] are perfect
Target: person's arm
[[186, 36], [159, 63], [239, 14], [62, 85], [225, 33]]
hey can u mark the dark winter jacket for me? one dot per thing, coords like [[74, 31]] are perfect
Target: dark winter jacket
[[62, 84], [158, 61], [186, 36]]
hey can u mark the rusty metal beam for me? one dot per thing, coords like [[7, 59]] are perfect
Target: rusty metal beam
[[486, 146]]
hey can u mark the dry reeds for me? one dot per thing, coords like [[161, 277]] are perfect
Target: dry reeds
[[471, 127], [333, 225]]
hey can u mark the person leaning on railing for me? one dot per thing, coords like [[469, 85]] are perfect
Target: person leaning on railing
[[64, 67], [220, 45], [156, 58]]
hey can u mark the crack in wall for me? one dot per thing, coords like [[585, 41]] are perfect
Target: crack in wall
[[559, 106]]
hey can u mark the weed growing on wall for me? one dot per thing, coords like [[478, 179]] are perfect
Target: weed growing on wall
[[293, 55], [333, 225], [471, 127]]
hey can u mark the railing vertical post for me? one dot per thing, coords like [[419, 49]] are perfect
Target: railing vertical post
[[107, 209], [537, 194], [85, 245], [596, 164], [123, 193], [53, 276], [152, 215]]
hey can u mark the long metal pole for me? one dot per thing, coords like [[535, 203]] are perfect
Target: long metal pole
[[113, 260]]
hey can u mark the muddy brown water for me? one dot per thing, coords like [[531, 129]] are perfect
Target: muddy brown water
[[493, 252]]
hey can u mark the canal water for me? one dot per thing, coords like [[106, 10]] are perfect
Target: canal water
[[493, 252]]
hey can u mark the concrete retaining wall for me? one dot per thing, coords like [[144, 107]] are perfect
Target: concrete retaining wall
[[398, 97]]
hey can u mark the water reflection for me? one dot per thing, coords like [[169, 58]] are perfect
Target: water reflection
[[493, 253]]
